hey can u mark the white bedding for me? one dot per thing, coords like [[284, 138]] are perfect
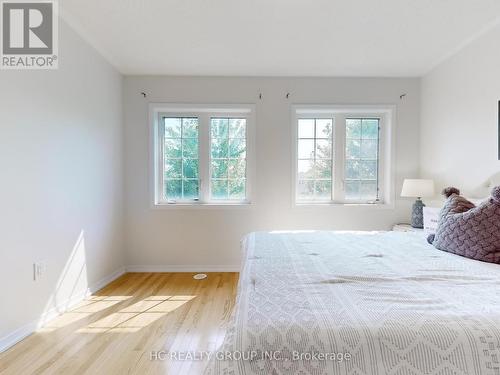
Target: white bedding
[[395, 304]]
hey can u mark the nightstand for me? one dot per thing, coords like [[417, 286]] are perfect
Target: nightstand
[[406, 228]]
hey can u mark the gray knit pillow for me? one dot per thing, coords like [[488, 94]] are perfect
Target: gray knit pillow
[[469, 231]]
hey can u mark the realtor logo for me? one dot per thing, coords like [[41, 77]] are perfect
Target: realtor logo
[[29, 34]]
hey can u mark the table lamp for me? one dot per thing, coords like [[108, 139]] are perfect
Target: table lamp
[[417, 188]]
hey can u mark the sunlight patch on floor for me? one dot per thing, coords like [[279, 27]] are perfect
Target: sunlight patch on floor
[[134, 317], [83, 310], [96, 306]]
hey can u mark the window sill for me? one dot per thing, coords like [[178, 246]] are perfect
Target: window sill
[[379, 206], [200, 205]]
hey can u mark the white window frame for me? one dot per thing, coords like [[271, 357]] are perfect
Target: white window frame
[[204, 112], [387, 116]]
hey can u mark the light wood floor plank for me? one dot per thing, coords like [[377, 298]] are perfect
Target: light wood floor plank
[[115, 330]]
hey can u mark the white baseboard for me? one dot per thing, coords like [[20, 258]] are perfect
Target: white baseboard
[[14, 337], [192, 268], [106, 280], [17, 335]]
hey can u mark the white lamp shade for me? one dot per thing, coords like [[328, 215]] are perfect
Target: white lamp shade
[[418, 188]]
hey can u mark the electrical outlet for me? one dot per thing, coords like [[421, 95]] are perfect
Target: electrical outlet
[[38, 270]]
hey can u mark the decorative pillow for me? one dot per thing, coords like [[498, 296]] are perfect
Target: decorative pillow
[[467, 230]]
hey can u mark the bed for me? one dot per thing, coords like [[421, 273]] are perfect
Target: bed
[[360, 303]]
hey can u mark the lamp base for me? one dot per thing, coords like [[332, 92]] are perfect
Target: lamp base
[[417, 214]]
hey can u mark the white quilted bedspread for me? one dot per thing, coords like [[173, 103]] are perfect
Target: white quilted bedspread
[[390, 301]]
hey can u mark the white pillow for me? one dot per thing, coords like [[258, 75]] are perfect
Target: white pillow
[[431, 217]]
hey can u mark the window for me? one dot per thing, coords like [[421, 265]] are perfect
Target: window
[[361, 159], [314, 165], [228, 158], [201, 154], [341, 155], [180, 178]]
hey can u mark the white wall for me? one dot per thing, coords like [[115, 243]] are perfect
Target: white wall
[[459, 116], [61, 182], [194, 238]]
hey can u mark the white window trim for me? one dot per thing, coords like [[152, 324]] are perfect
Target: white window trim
[[204, 112], [387, 114]]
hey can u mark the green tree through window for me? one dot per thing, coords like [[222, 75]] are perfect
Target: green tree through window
[[181, 180], [315, 159], [361, 160], [228, 158]]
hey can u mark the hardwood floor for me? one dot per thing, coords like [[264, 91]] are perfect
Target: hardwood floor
[[115, 330]]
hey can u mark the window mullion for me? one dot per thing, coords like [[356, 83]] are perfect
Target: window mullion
[[315, 175], [227, 161], [204, 157], [182, 159], [160, 137], [381, 160], [339, 159]]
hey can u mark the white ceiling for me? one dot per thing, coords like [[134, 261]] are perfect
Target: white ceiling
[[279, 37]]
